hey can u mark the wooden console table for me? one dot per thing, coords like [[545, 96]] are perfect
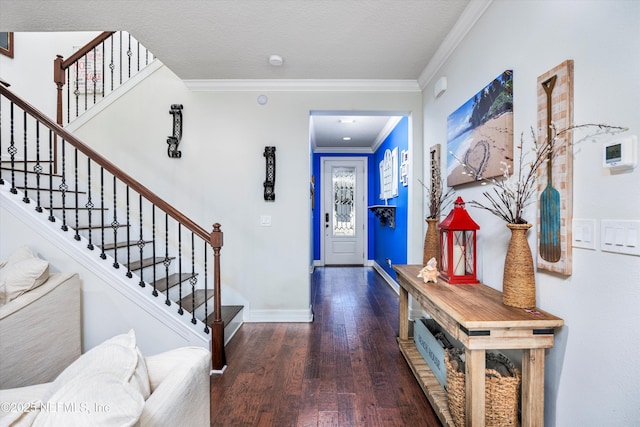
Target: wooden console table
[[475, 315]]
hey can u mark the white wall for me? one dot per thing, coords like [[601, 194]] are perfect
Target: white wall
[[219, 177], [593, 371]]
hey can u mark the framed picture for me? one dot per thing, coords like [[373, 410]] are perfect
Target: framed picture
[[480, 134], [6, 44]]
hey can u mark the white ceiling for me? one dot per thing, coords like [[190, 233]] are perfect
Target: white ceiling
[[233, 39]]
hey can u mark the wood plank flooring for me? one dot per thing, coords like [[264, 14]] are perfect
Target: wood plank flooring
[[344, 369]]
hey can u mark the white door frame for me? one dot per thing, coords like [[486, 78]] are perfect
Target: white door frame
[[365, 229]]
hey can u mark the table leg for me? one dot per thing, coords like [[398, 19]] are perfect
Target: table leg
[[474, 387], [403, 324], [533, 387]]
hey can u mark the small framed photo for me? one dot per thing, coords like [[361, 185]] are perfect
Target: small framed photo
[[6, 44]]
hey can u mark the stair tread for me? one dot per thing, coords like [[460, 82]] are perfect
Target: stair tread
[[173, 279], [73, 208], [48, 190], [110, 246], [228, 313], [199, 298], [147, 262], [98, 227]]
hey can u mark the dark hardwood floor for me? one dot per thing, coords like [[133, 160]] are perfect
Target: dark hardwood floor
[[344, 369]]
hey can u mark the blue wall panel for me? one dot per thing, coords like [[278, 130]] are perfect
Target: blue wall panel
[[391, 243], [317, 215]]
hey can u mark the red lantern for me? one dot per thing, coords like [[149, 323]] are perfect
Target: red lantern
[[458, 246]]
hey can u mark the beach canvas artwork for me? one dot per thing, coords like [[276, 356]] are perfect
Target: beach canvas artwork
[[480, 134]]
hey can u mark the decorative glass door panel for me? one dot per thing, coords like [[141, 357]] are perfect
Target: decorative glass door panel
[[344, 209]]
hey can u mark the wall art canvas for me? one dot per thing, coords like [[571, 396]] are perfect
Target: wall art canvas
[[555, 178], [480, 134]]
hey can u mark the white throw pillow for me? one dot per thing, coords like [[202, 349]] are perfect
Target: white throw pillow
[[117, 361], [94, 399], [22, 272]]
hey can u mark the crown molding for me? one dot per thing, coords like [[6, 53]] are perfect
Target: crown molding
[[460, 29], [302, 85], [384, 133]]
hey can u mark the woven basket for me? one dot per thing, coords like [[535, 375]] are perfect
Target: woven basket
[[502, 389]]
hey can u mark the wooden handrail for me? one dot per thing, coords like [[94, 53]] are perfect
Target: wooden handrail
[[86, 49], [214, 238], [107, 165]]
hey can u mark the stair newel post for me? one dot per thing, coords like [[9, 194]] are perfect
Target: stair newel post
[[60, 81], [217, 328]]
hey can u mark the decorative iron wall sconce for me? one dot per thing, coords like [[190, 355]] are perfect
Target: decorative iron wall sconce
[[174, 140], [270, 181]]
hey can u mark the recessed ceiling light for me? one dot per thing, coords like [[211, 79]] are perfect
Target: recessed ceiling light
[[346, 138], [347, 121]]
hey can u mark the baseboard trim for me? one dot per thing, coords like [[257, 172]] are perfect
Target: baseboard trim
[[390, 280], [279, 316]]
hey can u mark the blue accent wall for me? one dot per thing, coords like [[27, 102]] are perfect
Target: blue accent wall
[[317, 214], [391, 243], [382, 242]]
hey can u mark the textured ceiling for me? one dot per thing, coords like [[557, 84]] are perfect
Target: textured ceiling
[[233, 39]]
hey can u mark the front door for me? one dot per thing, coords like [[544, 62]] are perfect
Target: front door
[[344, 210]]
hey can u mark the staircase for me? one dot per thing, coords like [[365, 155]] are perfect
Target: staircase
[[140, 235]]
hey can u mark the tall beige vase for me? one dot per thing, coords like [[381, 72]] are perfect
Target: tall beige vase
[[519, 280], [431, 241]]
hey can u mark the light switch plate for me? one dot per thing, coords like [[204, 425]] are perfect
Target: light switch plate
[[584, 233], [620, 236], [265, 220]]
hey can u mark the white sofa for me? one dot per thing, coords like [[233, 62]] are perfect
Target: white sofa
[[113, 385], [44, 381], [40, 332]]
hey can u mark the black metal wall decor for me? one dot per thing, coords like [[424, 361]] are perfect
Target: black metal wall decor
[[174, 140], [270, 181]]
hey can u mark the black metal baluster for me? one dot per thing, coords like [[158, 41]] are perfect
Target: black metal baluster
[[76, 92], [12, 150], [64, 187], [180, 311], [112, 65], [153, 237], [102, 72], [68, 95], [86, 86], [167, 260], [102, 254], [115, 224], [141, 244], [206, 297], [25, 199], [138, 55], [94, 77], [51, 217], [89, 205], [193, 279], [38, 168], [129, 274], [120, 33], [77, 205], [129, 53]]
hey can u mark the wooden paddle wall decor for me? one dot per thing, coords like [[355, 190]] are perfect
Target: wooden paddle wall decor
[[555, 178]]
